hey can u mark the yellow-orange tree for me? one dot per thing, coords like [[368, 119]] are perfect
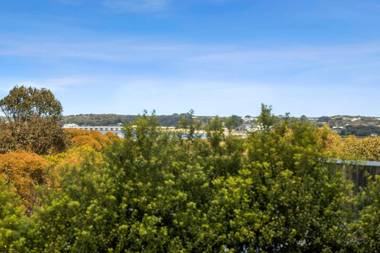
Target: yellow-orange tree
[[25, 171], [362, 148], [354, 148], [93, 139]]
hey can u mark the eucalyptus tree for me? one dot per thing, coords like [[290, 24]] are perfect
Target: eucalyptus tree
[[32, 121]]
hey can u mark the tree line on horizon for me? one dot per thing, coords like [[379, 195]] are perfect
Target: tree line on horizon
[[154, 191], [173, 120], [366, 126]]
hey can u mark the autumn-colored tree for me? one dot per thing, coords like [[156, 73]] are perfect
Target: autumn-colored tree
[[32, 119], [354, 148], [333, 143], [25, 171], [363, 148], [61, 164], [94, 139]]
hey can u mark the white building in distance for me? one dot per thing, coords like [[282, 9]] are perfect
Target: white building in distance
[[118, 130]]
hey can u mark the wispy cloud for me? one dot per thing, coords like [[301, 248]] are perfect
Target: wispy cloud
[[56, 84], [71, 2], [300, 52], [123, 5], [136, 5], [141, 5], [346, 63], [117, 50], [126, 50]]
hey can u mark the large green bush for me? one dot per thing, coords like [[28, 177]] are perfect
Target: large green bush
[[156, 192]]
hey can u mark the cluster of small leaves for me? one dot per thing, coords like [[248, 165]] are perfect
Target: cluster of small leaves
[[13, 222], [355, 148], [366, 229]]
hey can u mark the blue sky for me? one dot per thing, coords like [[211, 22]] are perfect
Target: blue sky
[[214, 56]]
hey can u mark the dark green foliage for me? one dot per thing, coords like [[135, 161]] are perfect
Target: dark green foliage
[[114, 119], [360, 130], [98, 119], [233, 122]]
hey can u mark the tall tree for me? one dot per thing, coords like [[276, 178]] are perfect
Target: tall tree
[[32, 121], [233, 122], [266, 119], [24, 103]]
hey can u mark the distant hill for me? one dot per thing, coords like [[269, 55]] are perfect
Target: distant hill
[[114, 119], [352, 125]]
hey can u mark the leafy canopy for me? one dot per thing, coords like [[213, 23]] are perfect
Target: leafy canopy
[[32, 121]]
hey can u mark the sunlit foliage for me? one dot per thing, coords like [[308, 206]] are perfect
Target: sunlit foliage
[[25, 171], [93, 139], [13, 222], [356, 148]]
